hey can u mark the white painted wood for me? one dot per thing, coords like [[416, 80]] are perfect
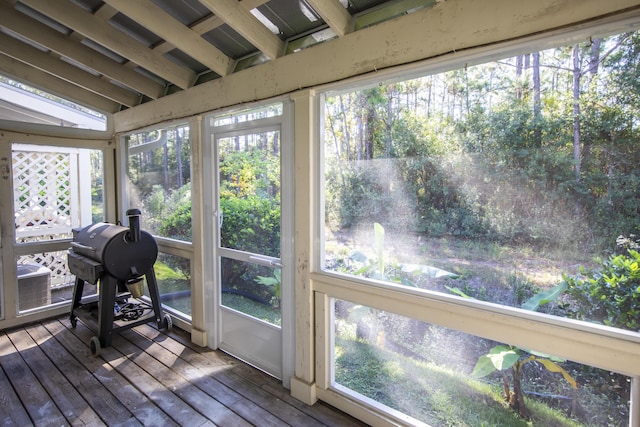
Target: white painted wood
[[73, 49], [53, 135], [84, 188], [304, 210], [33, 108], [287, 242], [65, 71], [590, 344], [450, 28], [9, 296], [634, 411], [334, 14], [240, 19], [324, 340], [96, 29], [155, 19], [208, 24], [258, 343], [198, 261], [54, 85]]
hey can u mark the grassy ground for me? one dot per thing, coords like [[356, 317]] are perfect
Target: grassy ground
[[431, 393], [499, 273], [255, 309]]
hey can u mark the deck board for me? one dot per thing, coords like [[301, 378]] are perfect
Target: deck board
[[146, 377]]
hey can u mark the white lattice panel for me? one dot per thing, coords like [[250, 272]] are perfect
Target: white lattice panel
[[47, 205], [42, 183]]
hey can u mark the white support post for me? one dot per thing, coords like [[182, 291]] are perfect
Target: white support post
[[634, 402], [84, 189]]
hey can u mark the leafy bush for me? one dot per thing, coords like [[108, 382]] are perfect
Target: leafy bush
[[362, 197], [251, 224], [177, 225], [610, 294]]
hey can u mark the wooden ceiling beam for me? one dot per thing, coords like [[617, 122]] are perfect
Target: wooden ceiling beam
[[101, 32], [248, 26], [72, 74], [334, 14], [209, 23], [156, 20], [39, 33], [46, 82]]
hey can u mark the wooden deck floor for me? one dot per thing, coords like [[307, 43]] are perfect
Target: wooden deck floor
[[48, 377]]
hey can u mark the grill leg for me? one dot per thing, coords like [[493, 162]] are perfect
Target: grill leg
[[77, 296], [106, 302], [154, 293]]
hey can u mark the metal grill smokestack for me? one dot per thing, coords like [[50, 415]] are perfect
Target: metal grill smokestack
[[134, 225]]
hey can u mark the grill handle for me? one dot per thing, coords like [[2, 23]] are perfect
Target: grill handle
[[83, 247], [133, 235]]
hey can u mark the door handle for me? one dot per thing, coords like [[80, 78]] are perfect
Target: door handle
[[266, 261]]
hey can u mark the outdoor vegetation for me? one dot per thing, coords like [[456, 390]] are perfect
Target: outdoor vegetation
[[513, 182], [249, 197], [159, 177], [249, 168]]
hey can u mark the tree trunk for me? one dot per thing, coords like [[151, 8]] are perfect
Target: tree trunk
[[179, 157], [519, 68], [577, 155], [537, 103], [370, 121], [517, 398], [594, 60], [345, 125]]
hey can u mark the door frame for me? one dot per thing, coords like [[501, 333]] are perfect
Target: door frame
[[210, 228]]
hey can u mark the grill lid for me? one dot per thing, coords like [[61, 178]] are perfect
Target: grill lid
[[125, 253]]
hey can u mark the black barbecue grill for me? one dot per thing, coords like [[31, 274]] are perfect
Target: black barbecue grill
[[117, 259]]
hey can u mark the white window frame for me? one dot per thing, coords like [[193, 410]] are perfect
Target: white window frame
[[590, 344], [181, 248]]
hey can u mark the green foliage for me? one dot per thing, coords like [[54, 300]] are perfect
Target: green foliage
[[609, 294], [361, 198], [177, 224], [467, 153], [502, 357], [251, 224], [275, 283], [380, 267], [428, 392]]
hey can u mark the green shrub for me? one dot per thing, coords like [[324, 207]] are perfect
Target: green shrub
[[251, 224], [610, 294], [177, 225]]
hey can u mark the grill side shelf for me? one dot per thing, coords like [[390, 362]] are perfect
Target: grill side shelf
[[84, 268]]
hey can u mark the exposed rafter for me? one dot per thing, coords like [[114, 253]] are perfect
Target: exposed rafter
[[74, 50], [240, 19], [155, 19], [72, 74], [101, 32], [334, 14], [54, 85], [208, 24], [138, 51]]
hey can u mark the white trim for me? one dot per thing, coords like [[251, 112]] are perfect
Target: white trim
[[216, 336], [35, 104], [603, 347]]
